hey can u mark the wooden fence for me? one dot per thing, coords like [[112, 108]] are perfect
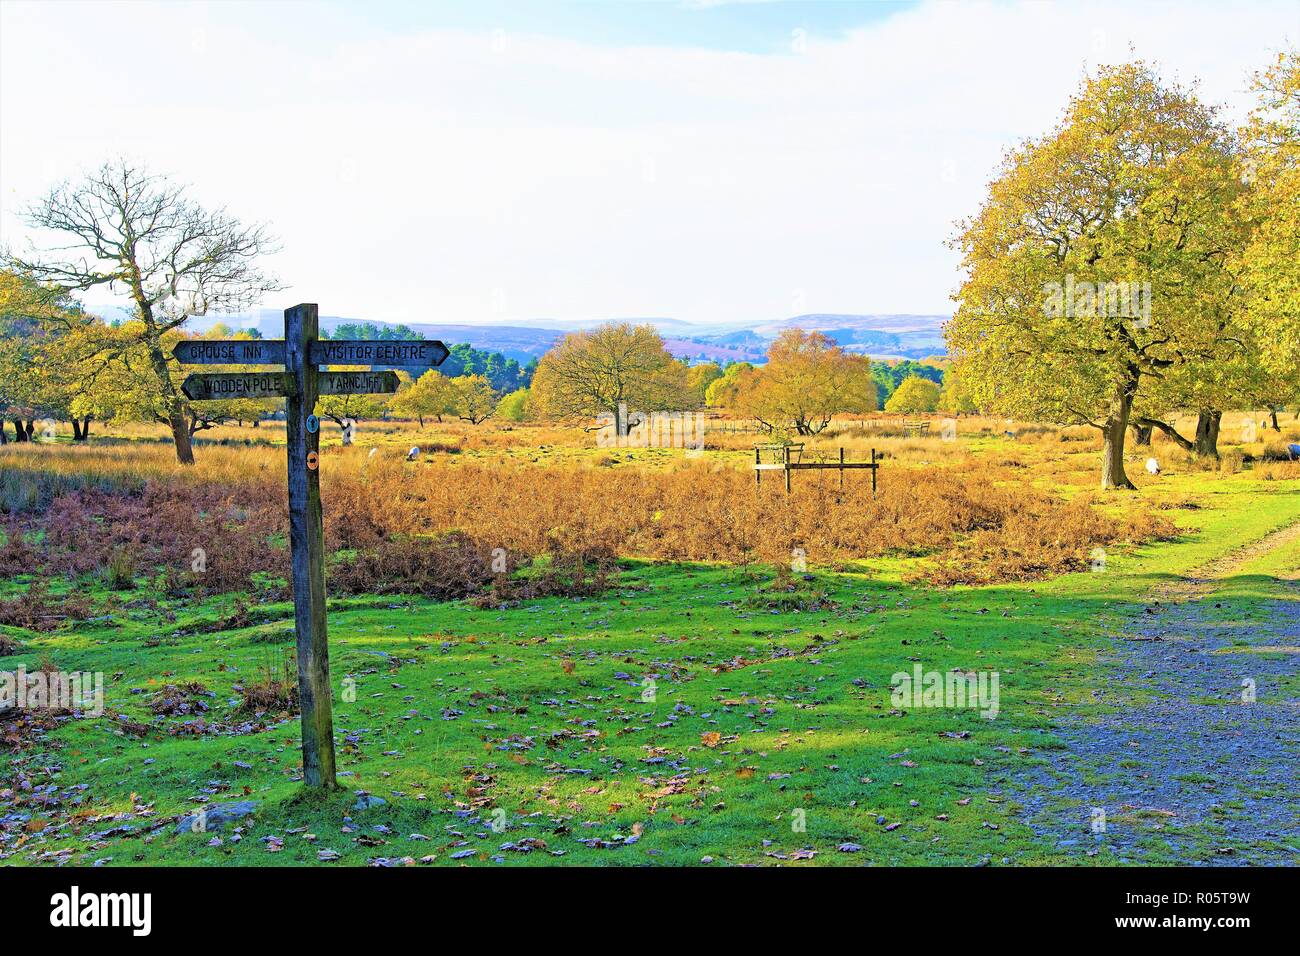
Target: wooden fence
[[789, 459]]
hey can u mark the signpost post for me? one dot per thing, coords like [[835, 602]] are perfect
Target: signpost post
[[301, 383]]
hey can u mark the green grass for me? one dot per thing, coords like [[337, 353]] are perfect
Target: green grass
[[549, 726]]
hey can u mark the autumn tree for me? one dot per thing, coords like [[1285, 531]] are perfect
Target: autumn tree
[[513, 406], [1097, 262], [1269, 262], [124, 229], [25, 387], [1257, 366], [807, 380], [432, 395], [699, 378], [84, 366], [475, 399], [341, 409], [914, 394], [617, 368], [723, 392], [953, 396], [46, 347]]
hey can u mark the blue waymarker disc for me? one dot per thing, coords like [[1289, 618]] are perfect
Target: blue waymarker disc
[[313, 424]]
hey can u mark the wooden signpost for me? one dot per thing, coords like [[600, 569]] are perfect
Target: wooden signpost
[[302, 383], [357, 383], [230, 352], [226, 385], [404, 352]]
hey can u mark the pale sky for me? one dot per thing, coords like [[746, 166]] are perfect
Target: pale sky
[[516, 162]]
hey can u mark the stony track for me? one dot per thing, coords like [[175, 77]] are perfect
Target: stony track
[[1185, 769]]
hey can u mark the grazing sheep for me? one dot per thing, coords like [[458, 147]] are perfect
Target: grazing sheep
[[1153, 466], [414, 453]]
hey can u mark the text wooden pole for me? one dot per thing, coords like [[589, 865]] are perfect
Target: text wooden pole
[[306, 542]]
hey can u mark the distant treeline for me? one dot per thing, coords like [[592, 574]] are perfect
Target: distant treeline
[[505, 374]]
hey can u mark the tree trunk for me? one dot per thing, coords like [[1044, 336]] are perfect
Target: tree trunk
[[1272, 414], [1207, 433], [20, 434], [181, 436], [85, 428], [4, 437], [174, 409], [31, 429], [76, 430], [1114, 430], [1141, 433]]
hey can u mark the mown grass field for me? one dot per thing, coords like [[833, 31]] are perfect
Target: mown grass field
[[692, 713]]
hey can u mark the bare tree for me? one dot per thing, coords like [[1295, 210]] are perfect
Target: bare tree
[[128, 229]]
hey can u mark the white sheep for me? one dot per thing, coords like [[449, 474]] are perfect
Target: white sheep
[[1153, 466], [414, 453]]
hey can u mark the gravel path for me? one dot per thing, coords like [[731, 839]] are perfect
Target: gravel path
[[1184, 770]]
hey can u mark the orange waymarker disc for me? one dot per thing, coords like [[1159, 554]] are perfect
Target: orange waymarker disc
[[313, 460]]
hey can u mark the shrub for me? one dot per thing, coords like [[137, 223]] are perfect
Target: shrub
[[37, 611], [433, 529], [1276, 451], [513, 407], [567, 574], [16, 555], [275, 689], [118, 573], [445, 567]]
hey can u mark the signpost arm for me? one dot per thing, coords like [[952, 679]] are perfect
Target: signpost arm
[[306, 534]]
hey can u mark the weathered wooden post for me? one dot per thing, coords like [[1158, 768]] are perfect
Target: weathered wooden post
[[873, 473], [302, 383], [307, 546]]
